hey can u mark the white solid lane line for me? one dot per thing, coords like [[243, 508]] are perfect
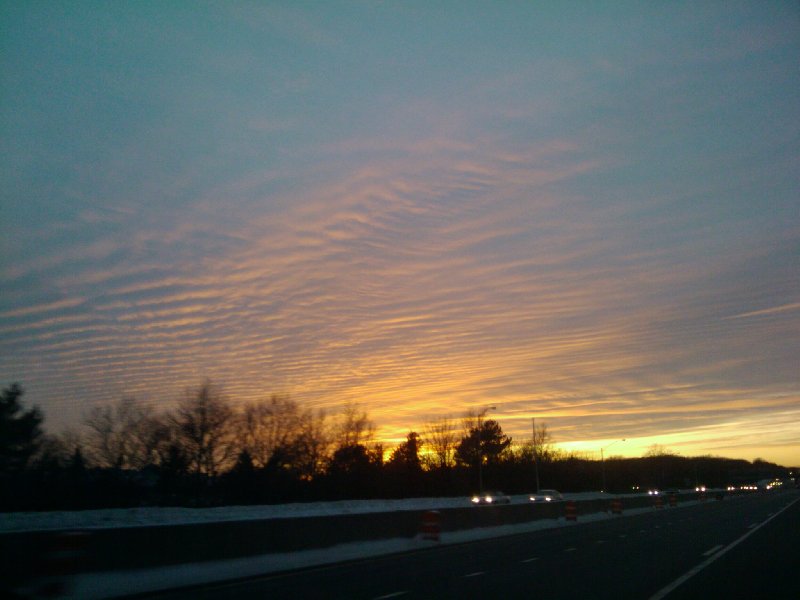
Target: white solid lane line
[[392, 595], [475, 574], [690, 573], [527, 560], [712, 550]]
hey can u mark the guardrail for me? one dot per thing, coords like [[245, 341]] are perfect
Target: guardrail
[[162, 545]]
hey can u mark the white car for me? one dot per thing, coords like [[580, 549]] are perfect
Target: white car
[[495, 497], [546, 496]]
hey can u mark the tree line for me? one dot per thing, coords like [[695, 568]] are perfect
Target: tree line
[[208, 451]]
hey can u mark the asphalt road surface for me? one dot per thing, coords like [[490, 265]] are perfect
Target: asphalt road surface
[[740, 547]]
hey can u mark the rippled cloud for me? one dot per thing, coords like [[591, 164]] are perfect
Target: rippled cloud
[[529, 235]]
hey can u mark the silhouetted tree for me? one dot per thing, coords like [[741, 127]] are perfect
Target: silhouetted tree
[[53, 453], [244, 463], [403, 471], [262, 427], [354, 471], [441, 438], [485, 441], [173, 463], [203, 424], [20, 430], [120, 435], [655, 450], [355, 428], [77, 463], [542, 444], [541, 450], [311, 447], [406, 456]]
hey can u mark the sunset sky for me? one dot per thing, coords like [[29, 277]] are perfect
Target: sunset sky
[[587, 213]]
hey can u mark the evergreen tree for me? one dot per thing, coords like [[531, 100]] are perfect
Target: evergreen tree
[[20, 430], [484, 442], [406, 456]]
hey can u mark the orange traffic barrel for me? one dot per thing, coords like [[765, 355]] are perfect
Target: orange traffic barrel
[[673, 500], [571, 511], [616, 506], [658, 502], [65, 558], [431, 526]]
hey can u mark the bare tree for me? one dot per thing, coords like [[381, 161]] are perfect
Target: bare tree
[[204, 426], [355, 427], [313, 444], [151, 438], [112, 433], [542, 444], [656, 450], [266, 426], [124, 435], [57, 450], [441, 438]]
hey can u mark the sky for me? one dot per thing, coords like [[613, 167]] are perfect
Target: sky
[[586, 213]]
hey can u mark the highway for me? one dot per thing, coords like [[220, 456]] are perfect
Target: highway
[[740, 547]]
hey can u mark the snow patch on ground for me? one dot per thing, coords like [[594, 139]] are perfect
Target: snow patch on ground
[[166, 515]]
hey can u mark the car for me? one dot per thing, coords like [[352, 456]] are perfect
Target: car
[[493, 497], [653, 492], [546, 496]]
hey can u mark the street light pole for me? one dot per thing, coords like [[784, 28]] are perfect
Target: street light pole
[[603, 464], [535, 459], [480, 446]]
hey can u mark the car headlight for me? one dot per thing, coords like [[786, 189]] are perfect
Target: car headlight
[[475, 499]]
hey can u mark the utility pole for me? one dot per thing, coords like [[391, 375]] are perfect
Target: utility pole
[[480, 446], [603, 463], [535, 458]]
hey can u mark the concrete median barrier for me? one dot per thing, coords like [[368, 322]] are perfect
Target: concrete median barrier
[[154, 546]]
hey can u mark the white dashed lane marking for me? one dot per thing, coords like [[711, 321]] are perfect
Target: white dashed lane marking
[[715, 553], [528, 560], [475, 574]]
